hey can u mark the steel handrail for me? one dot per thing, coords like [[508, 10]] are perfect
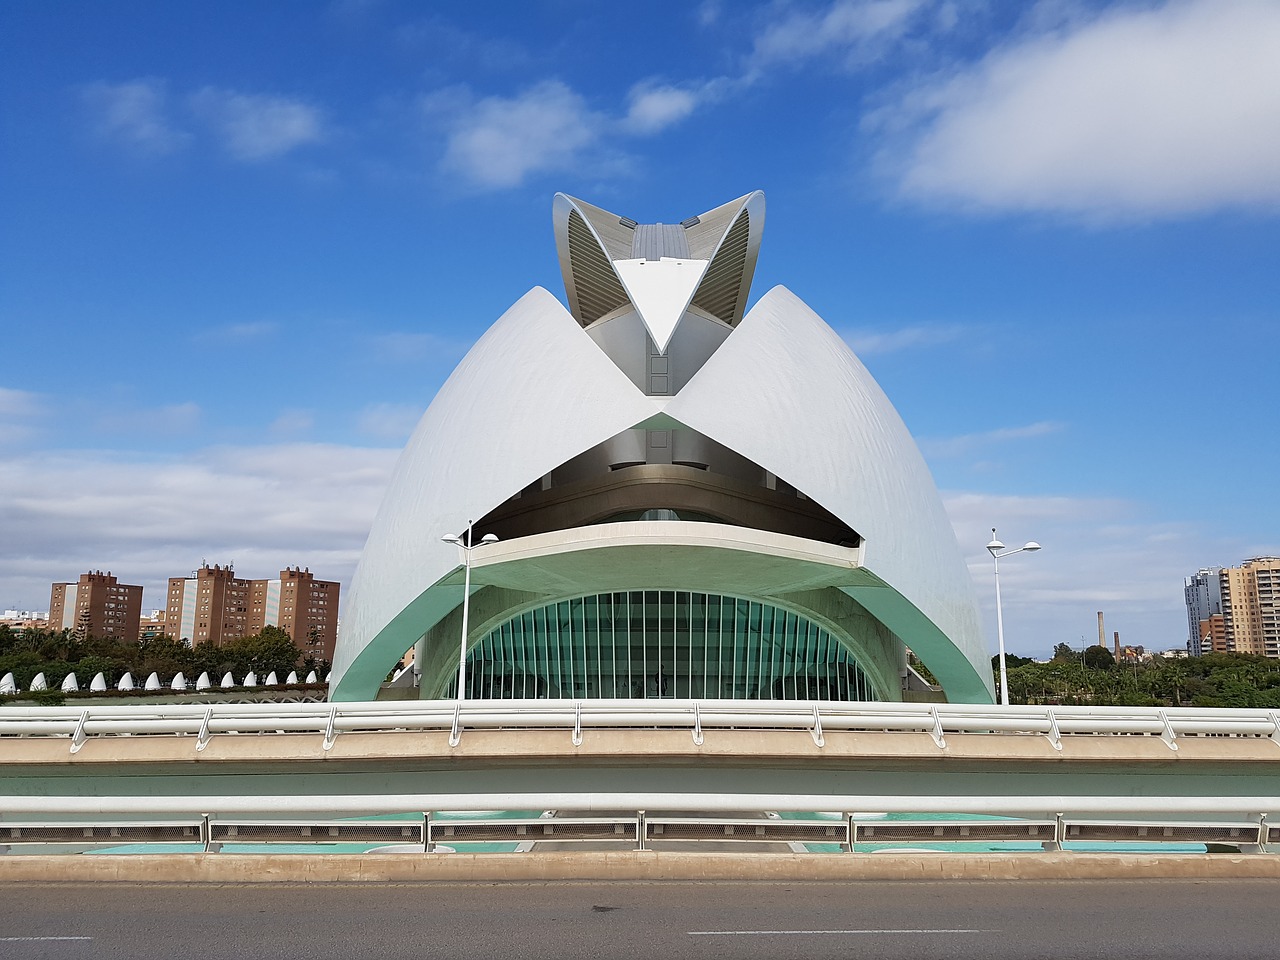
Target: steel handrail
[[205, 719]]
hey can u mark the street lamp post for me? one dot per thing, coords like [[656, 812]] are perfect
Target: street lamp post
[[995, 548], [467, 546]]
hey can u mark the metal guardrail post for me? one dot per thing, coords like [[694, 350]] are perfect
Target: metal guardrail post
[[202, 738], [642, 830], [816, 730], [937, 732], [1262, 833], [78, 738], [1059, 832], [206, 833], [455, 736], [697, 725], [1055, 735], [426, 831], [331, 729], [577, 724], [851, 831]]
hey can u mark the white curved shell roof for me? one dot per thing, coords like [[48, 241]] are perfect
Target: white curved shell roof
[[786, 391], [782, 390], [533, 392]]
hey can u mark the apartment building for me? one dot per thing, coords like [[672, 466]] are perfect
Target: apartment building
[[96, 605], [1242, 615], [1203, 594], [215, 606], [1251, 606]]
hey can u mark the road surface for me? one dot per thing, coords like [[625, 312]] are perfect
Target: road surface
[[1168, 920]]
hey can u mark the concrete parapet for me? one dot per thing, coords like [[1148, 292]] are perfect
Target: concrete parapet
[[640, 865]]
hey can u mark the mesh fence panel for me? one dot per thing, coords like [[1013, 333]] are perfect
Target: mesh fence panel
[[316, 832], [522, 831], [1162, 832], [958, 831], [772, 831], [101, 833]]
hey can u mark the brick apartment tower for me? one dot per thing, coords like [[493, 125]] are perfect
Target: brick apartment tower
[[98, 603], [215, 606]]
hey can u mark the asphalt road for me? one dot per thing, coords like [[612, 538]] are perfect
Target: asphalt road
[[1169, 920]]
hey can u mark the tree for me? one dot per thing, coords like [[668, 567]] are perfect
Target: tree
[[272, 649], [1063, 651], [1099, 657]]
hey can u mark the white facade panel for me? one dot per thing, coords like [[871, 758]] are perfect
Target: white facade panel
[[69, 597], [188, 618], [271, 608]]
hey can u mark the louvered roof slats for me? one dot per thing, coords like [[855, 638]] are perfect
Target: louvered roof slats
[[719, 290], [596, 286], [704, 236], [593, 243], [615, 236]]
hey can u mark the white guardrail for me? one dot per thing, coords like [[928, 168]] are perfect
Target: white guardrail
[[203, 721], [633, 830]]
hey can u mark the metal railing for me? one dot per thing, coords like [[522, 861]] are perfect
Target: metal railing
[[429, 833], [204, 721]]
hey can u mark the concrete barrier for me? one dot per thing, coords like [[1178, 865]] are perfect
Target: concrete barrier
[[641, 865]]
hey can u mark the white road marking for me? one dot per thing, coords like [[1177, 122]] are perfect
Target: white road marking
[[792, 933], [42, 939]]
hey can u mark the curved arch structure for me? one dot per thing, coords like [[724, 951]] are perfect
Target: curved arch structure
[[749, 455]]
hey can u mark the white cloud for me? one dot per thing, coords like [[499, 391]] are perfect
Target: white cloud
[[1099, 554], [1141, 112], [969, 442], [403, 347], [173, 418], [389, 421], [236, 333], [255, 127], [133, 114], [653, 108], [857, 30], [18, 411], [17, 403], [498, 142], [865, 343], [292, 422], [148, 519]]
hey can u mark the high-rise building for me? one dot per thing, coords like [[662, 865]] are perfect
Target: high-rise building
[[1251, 606], [1235, 609], [215, 606], [1204, 601], [97, 606], [211, 607], [302, 606]]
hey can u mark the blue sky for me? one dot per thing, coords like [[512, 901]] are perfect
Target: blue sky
[[243, 244]]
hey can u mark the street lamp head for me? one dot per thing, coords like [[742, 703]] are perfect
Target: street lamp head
[[1031, 546], [452, 538], [995, 546], [493, 538]]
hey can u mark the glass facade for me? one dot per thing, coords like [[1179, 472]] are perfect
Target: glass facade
[[662, 643]]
